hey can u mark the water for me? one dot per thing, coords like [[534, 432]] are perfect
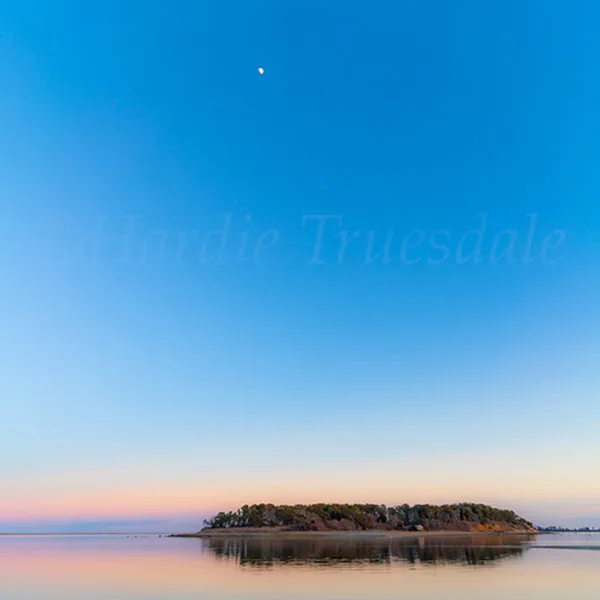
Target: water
[[551, 567]]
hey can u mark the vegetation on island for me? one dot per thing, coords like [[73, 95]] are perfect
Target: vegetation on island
[[366, 517]]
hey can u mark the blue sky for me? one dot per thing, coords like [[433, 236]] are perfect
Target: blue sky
[[154, 366]]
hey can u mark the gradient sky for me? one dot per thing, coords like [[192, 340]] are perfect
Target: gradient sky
[[152, 371]]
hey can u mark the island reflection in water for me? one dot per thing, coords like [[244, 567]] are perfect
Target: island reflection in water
[[459, 550], [429, 568]]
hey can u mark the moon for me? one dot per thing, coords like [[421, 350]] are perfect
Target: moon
[[261, 70]]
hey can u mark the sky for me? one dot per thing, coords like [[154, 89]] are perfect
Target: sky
[[366, 275]]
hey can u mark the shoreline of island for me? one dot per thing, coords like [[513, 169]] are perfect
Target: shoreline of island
[[269, 533]]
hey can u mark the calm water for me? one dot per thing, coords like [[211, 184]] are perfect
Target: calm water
[[148, 567]]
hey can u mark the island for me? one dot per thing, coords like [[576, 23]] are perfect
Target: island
[[265, 519]]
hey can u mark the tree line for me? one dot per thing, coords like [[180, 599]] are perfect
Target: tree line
[[314, 517]]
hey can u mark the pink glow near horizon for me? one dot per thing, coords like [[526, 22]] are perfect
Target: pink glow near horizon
[[193, 503]]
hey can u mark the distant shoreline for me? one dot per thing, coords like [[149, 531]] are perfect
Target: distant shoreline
[[97, 533]]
